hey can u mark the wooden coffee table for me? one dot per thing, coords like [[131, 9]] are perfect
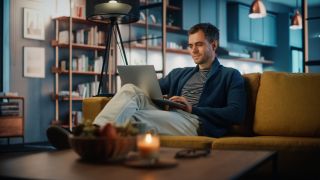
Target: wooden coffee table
[[220, 164]]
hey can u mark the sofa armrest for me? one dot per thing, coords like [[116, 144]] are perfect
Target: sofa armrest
[[92, 106]]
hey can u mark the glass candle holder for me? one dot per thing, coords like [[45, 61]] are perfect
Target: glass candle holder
[[148, 146]]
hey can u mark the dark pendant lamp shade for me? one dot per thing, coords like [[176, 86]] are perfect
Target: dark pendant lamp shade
[[124, 11], [257, 10]]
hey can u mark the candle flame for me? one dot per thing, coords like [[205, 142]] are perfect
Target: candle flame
[[148, 138]]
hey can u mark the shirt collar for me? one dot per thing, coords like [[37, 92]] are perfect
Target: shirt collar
[[214, 68]]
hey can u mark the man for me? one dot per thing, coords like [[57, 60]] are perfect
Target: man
[[213, 95]]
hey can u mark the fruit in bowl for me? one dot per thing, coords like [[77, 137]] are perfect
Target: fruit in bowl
[[108, 144]]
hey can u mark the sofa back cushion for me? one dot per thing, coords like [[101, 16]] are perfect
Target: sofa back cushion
[[252, 82], [92, 106], [288, 104]]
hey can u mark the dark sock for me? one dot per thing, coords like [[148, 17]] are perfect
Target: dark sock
[[58, 137]]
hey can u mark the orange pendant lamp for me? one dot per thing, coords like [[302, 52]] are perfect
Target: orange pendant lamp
[[296, 20], [257, 10]]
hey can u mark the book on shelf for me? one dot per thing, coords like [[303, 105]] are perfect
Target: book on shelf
[[63, 37], [9, 108], [88, 89], [97, 67], [9, 105], [80, 36], [66, 93], [81, 63], [89, 36]]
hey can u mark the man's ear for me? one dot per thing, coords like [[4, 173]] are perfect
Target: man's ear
[[214, 45]]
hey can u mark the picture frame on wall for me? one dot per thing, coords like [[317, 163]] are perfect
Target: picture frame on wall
[[33, 24], [34, 62]]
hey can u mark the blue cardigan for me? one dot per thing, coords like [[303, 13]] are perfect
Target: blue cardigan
[[222, 102]]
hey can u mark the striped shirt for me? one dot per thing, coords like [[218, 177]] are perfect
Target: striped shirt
[[193, 88]]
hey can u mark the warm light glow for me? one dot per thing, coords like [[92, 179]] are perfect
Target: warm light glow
[[113, 1], [148, 145], [148, 139], [257, 10]]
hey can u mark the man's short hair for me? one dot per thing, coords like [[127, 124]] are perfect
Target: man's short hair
[[210, 31]]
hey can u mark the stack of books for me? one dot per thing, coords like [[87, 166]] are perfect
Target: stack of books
[[9, 109], [88, 89]]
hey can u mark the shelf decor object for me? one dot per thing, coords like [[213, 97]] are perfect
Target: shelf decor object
[[114, 13], [257, 10]]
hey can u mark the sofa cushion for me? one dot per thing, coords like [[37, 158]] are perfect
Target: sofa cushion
[[288, 104], [194, 142], [269, 143], [252, 82], [92, 106]]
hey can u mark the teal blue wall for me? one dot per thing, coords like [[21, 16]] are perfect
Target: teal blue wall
[[281, 55]]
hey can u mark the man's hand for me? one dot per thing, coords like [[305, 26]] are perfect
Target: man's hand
[[183, 100]]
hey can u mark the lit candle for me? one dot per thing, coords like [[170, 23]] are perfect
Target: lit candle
[[148, 145]]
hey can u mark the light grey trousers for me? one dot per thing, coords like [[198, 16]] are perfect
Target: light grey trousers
[[131, 104]]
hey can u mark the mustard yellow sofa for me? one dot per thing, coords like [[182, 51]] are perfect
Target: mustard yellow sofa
[[283, 115]]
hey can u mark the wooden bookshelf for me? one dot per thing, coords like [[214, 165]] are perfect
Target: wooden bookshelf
[[185, 51], [171, 7], [178, 51], [80, 20], [71, 24], [55, 43], [174, 29], [249, 60], [159, 48], [145, 5], [66, 98], [66, 72]]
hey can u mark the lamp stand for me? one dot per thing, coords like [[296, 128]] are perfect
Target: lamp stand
[[113, 27]]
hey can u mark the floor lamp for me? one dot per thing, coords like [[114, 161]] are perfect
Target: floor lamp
[[115, 13]]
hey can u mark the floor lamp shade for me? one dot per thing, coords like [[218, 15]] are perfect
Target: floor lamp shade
[[124, 11], [257, 10]]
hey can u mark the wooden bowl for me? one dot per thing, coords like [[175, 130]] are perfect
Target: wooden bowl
[[102, 148]]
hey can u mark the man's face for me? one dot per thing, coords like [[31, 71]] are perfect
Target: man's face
[[201, 50]]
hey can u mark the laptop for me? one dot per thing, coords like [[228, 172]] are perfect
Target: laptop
[[145, 77]]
